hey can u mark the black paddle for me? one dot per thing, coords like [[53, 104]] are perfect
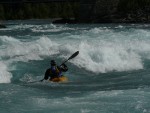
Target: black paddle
[[71, 57]]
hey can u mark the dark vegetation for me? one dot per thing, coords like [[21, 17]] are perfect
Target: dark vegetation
[[103, 11], [134, 10], [37, 11]]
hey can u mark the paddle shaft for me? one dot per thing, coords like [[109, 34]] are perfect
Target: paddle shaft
[[37, 81], [71, 57]]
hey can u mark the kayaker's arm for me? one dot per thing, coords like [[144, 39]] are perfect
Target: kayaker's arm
[[46, 75]]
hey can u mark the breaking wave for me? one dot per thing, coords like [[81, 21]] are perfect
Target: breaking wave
[[101, 49]]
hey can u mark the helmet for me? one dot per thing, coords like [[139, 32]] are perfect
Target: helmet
[[53, 63]]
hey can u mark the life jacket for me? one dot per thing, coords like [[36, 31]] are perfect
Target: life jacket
[[55, 72]]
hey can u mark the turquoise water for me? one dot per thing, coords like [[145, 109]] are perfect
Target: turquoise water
[[110, 75]]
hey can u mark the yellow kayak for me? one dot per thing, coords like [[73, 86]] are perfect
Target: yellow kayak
[[60, 79]]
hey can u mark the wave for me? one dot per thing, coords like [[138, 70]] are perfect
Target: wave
[[24, 51], [14, 50], [107, 57], [109, 50], [101, 49]]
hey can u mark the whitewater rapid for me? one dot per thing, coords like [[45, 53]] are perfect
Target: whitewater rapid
[[102, 49], [111, 73]]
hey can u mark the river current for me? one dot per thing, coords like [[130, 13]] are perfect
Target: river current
[[111, 74]]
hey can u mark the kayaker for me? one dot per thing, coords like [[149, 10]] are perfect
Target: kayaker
[[54, 71]]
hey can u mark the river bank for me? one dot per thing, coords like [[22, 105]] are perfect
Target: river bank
[[115, 11], [85, 11]]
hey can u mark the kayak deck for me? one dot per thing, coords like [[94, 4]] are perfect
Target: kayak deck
[[60, 79]]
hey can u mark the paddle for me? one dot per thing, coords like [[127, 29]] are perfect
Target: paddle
[[71, 57]]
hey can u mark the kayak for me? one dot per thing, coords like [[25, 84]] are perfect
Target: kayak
[[60, 79]]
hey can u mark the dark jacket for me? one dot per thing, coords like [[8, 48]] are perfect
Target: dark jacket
[[50, 73]]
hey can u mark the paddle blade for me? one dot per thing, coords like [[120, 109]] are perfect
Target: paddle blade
[[74, 55]]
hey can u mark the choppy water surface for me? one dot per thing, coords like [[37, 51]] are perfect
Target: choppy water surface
[[110, 75]]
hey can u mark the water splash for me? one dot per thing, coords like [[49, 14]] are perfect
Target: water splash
[[5, 75]]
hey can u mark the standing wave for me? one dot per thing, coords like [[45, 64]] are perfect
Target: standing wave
[[106, 50], [102, 50], [13, 50]]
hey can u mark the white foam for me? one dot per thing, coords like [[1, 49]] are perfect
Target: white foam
[[24, 51], [5, 75], [117, 52], [106, 56], [107, 50], [101, 49], [15, 50]]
